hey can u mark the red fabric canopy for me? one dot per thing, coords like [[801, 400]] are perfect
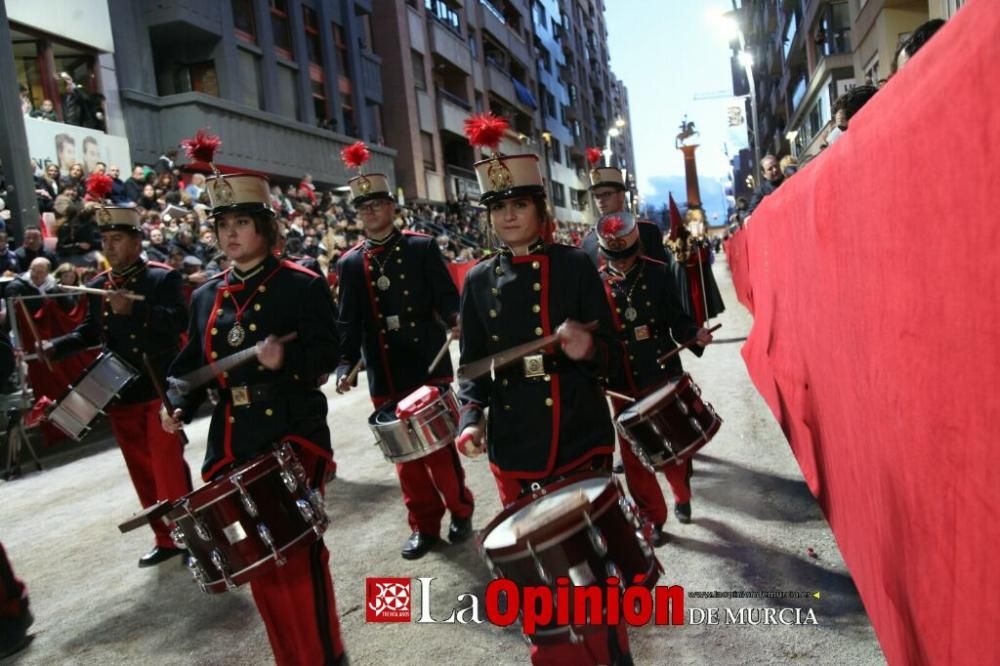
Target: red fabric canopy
[[873, 279]]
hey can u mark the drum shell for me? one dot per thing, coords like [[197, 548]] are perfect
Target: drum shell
[[426, 431], [667, 428], [101, 383], [234, 531], [564, 548]]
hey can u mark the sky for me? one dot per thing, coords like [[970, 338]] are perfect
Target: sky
[[666, 52]]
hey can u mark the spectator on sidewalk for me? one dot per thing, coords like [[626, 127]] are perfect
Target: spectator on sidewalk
[[771, 172], [920, 36], [118, 194], [845, 108], [47, 188], [78, 237], [32, 247], [8, 260], [135, 184]]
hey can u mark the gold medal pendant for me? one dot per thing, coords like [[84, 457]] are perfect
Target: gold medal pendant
[[236, 335], [383, 283], [630, 314]]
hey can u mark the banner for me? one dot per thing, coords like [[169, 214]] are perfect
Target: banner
[[52, 142]]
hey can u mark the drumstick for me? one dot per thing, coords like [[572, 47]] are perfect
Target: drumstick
[[353, 374], [34, 333], [104, 292], [163, 394], [502, 359], [673, 352], [444, 350], [207, 373], [619, 396]]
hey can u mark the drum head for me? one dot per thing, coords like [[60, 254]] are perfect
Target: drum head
[[385, 415], [503, 535], [650, 402]]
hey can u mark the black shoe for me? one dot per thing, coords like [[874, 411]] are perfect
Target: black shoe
[[619, 468], [418, 545], [683, 512], [460, 529], [14, 631], [660, 538], [159, 554]]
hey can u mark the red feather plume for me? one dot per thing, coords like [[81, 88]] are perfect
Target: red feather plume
[[355, 155], [610, 226], [99, 185], [202, 147], [485, 130], [594, 155]]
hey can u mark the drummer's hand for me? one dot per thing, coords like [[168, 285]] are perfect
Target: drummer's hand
[[120, 303], [46, 349], [577, 342], [470, 442], [343, 386], [170, 423], [703, 337], [271, 353]]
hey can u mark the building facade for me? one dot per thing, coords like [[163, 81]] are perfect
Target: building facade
[[806, 53], [543, 65], [286, 83]]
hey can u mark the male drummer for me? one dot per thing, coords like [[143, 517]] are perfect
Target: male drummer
[[275, 399], [607, 186], [395, 292], [648, 318], [133, 329]]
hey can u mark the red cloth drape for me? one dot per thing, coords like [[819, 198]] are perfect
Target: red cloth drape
[[458, 272], [873, 279], [51, 320]]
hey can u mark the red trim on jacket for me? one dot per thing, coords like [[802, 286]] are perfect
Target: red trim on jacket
[[309, 446], [296, 267], [227, 448]]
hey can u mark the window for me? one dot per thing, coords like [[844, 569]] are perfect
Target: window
[[250, 90], [444, 14], [34, 73], [558, 194], [340, 44], [557, 150], [789, 36], [313, 47], [544, 59], [419, 76], [871, 70], [204, 78], [281, 28], [833, 34], [473, 48], [550, 104], [286, 97], [243, 21], [538, 13], [320, 106], [375, 117], [427, 147]]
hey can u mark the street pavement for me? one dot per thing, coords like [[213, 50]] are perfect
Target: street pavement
[[756, 529]]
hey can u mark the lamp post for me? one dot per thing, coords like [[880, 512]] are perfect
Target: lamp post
[[547, 143]]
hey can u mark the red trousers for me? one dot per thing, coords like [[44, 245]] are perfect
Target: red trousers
[[645, 487], [154, 458], [608, 647], [430, 485], [12, 591], [296, 600]]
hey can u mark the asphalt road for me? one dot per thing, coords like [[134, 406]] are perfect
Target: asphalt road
[[754, 525]]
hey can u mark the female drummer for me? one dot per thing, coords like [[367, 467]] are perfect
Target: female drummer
[[646, 312], [271, 400], [548, 416]]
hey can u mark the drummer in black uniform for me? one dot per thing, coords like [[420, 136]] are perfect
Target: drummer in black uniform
[[548, 416], [397, 300], [273, 399], [131, 329], [607, 185], [649, 318]]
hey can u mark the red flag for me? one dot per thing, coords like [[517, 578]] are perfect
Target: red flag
[[676, 221]]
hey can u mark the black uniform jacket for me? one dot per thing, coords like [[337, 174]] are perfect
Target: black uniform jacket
[[538, 426], [649, 235], [660, 321], [154, 326], [282, 404], [399, 330]]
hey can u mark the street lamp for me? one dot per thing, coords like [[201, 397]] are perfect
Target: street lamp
[[613, 133]]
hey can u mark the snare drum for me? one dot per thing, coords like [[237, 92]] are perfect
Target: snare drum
[[248, 521], [416, 426], [669, 425], [100, 383], [582, 528]]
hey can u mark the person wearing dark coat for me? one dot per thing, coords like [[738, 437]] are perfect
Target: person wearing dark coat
[[397, 300], [773, 178], [78, 237], [607, 185], [33, 246]]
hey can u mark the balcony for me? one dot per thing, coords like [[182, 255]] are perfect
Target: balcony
[[449, 46], [500, 84], [203, 15], [494, 23], [452, 112], [252, 139], [371, 76]]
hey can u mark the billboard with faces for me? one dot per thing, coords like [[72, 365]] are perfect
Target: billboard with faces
[[57, 143]]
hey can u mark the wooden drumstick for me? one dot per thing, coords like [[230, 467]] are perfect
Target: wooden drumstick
[[353, 374], [444, 350], [673, 352], [619, 396], [163, 394], [508, 356], [104, 292], [34, 333]]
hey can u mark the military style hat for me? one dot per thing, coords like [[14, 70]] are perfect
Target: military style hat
[[369, 186], [507, 176], [239, 193], [607, 177], [118, 218], [617, 232]]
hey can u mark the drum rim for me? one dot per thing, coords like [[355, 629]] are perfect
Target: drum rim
[[507, 553], [268, 462], [681, 382], [261, 562]]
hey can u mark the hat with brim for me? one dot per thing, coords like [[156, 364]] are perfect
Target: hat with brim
[[617, 232], [607, 177], [239, 193], [508, 176], [118, 218], [369, 186]]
